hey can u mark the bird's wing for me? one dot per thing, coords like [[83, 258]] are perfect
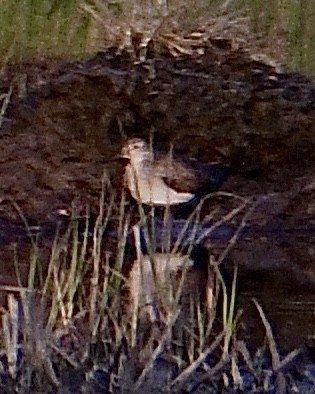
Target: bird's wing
[[177, 175], [191, 175]]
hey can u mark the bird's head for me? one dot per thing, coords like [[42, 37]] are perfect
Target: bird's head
[[136, 151]]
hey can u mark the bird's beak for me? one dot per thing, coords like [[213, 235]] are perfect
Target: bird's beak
[[125, 152], [123, 159]]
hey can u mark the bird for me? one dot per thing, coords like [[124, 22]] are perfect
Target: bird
[[160, 180], [153, 274]]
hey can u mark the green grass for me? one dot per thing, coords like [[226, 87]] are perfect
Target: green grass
[[31, 29], [287, 21], [71, 316], [74, 317], [72, 28]]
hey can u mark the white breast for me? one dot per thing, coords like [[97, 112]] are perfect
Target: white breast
[[149, 188]]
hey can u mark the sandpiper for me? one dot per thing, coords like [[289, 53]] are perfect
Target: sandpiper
[[160, 180], [156, 274]]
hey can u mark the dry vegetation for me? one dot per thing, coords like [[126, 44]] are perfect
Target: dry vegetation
[[76, 28], [73, 325]]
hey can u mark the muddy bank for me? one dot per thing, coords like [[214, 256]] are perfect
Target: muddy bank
[[65, 121], [215, 102]]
